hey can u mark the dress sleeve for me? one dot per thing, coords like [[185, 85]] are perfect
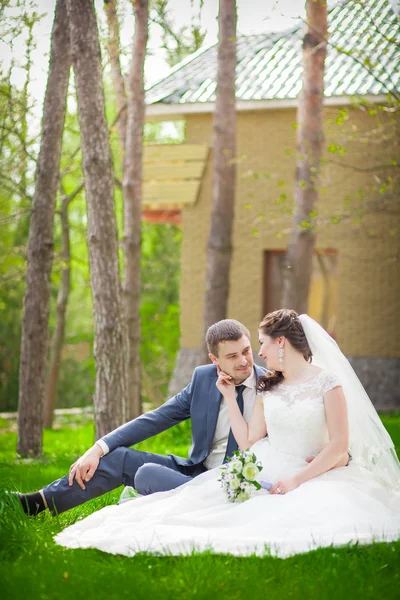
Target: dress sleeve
[[330, 382]]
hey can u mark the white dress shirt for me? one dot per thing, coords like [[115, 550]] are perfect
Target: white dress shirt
[[220, 441]]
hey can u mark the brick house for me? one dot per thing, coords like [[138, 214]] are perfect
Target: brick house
[[356, 281]]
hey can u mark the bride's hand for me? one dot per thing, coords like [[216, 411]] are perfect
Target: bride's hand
[[283, 486], [225, 384]]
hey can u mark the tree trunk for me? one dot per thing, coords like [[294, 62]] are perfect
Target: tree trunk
[[325, 292], [132, 189], [220, 237], [50, 397], [110, 7], [113, 45], [310, 144], [40, 245], [109, 350]]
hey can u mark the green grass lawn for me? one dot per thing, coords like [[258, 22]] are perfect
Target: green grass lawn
[[32, 566]]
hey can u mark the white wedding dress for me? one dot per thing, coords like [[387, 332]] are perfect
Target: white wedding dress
[[343, 505]]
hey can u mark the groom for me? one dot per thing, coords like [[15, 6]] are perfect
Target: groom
[[111, 462]]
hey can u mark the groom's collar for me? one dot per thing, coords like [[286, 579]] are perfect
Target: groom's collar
[[250, 382]]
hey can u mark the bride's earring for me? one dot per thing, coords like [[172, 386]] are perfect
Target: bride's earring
[[281, 354]]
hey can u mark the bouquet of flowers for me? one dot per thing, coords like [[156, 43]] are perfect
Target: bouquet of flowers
[[238, 476]]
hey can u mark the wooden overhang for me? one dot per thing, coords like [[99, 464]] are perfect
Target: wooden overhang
[[172, 177]]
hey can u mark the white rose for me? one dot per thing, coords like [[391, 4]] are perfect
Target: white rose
[[243, 496], [248, 488], [234, 483], [251, 490], [235, 465], [250, 471], [249, 456]]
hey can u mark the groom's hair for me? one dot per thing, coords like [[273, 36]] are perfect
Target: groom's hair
[[227, 330]]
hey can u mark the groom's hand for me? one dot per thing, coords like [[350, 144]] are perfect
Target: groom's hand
[[225, 384], [84, 468]]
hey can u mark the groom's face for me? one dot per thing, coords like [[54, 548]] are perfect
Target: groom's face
[[235, 359]]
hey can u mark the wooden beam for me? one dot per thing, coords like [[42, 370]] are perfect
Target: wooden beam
[[176, 170], [168, 152], [176, 193]]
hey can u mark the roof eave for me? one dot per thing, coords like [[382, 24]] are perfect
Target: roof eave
[[160, 110]]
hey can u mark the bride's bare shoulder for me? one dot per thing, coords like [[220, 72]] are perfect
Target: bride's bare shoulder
[[313, 369]]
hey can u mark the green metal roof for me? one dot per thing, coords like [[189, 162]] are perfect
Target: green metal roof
[[363, 58]]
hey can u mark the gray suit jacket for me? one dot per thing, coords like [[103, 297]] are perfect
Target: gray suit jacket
[[199, 401]]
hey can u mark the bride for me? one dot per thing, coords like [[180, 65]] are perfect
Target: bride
[[310, 405]]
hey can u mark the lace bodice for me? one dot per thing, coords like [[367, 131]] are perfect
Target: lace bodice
[[295, 415]]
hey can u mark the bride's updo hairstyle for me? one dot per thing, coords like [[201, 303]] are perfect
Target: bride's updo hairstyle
[[283, 322]]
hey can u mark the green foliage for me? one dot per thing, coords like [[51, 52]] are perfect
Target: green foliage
[[15, 200], [159, 307], [161, 242], [160, 268], [181, 42], [164, 132], [76, 382]]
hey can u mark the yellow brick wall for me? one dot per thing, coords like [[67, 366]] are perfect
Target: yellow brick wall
[[368, 253]]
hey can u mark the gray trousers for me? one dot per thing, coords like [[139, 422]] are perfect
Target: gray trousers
[[146, 472]]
